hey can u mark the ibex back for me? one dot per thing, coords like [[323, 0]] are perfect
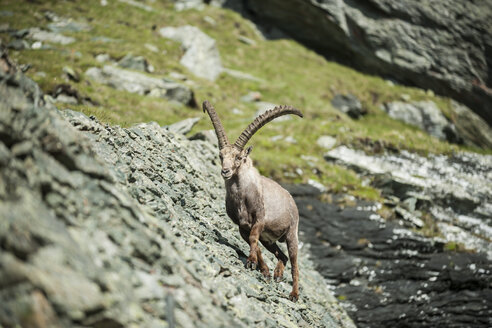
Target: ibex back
[[263, 210]]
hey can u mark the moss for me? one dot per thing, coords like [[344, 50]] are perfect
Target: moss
[[452, 246]]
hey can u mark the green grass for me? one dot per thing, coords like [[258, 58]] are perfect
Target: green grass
[[294, 75]]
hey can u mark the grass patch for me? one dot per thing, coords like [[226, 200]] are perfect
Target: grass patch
[[294, 75]]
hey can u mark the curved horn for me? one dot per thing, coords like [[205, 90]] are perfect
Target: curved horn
[[219, 129], [262, 120]]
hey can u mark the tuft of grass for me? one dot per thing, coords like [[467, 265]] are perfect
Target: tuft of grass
[[452, 246]]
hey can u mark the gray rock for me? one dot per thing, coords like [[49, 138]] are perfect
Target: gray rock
[[348, 104], [326, 142], [5, 27], [65, 93], [151, 47], [66, 99], [178, 76], [316, 184], [263, 106], [422, 114], [242, 76], [138, 63], [181, 5], [68, 25], [446, 186], [39, 45], [138, 4], [104, 39], [206, 135], [135, 82], [184, 126], [201, 56], [246, 40], [251, 96], [210, 20], [18, 44], [104, 226], [442, 46], [471, 127], [71, 74], [45, 36], [103, 58], [6, 13]]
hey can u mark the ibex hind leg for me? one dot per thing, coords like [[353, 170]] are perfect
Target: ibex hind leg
[[292, 248], [281, 257]]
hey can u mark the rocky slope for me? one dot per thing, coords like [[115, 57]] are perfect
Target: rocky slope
[[109, 227], [386, 274], [438, 45]]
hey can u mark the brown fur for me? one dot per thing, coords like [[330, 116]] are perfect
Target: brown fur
[[264, 211]]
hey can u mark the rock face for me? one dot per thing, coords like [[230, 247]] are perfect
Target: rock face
[[471, 127], [424, 115], [135, 82], [389, 276], [113, 227], [201, 56], [456, 191], [138, 63], [439, 45], [349, 104]]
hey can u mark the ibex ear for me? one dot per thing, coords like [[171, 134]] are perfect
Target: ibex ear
[[248, 150]]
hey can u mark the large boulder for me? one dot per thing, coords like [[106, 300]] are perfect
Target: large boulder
[[52, 37], [440, 45], [142, 84], [201, 56], [348, 104], [138, 63], [424, 115], [471, 127]]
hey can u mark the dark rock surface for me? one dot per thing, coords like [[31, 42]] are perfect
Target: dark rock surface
[[348, 104], [389, 276], [114, 227], [445, 46], [471, 127], [138, 63]]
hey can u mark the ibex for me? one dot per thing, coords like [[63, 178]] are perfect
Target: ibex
[[261, 208]]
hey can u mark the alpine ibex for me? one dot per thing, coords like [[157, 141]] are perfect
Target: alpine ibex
[[263, 209]]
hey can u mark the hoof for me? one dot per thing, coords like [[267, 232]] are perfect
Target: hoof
[[294, 297], [250, 265], [278, 278], [267, 276]]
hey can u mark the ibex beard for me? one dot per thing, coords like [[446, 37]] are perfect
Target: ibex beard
[[264, 211]]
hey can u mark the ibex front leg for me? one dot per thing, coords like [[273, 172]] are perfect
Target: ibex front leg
[[263, 267], [254, 237]]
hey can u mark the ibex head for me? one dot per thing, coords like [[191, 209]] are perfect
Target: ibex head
[[233, 156]]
